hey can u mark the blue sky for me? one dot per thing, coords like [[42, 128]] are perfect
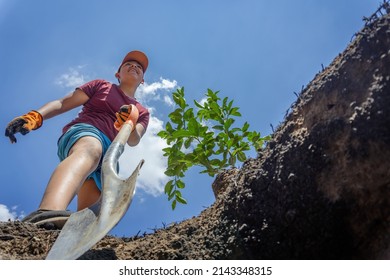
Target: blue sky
[[256, 52]]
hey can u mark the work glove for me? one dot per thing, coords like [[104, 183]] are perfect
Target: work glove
[[23, 124], [127, 113]]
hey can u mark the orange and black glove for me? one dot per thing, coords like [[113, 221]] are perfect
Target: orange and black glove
[[23, 124], [127, 113]]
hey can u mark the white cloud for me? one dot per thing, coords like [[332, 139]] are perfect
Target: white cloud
[[203, 101], [152, 178], [163, 84], [72, 78], [156, 91], [7, 214], [168, 100]]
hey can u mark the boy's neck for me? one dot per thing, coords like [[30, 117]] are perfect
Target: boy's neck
[[128, 90]]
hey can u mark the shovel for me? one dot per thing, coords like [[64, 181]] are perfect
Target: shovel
[[87, 227]]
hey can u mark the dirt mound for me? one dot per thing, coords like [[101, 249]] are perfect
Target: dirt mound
[[319, 190]]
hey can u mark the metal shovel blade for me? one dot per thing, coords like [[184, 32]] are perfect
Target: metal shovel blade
[[87, 227]]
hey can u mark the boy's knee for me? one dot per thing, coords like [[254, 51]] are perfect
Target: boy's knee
[[89, 147], [94, 154]]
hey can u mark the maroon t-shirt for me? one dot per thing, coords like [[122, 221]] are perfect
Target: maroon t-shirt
[[105, 99]]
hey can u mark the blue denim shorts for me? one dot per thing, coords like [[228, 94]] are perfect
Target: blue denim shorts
[[76, 132]]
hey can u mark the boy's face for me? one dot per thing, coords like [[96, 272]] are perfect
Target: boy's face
[[131, 71]]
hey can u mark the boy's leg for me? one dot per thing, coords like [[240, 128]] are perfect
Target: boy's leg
[[88, 194], [68, 177]]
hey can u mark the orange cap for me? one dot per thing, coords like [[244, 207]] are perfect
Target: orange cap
[[138, 56]]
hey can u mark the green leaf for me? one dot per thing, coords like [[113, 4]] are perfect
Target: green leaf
[[241, 156], [234, 112], [162, 134], [228, 124], [232, 161], [183, 133], [181, 200], [171, 195], [188, 142], [174, 204], [179, 99], [189, 114], [180, 184], [217, 127], [224, 102], [170, 172], [193, 127], [176, 116], [245, 127], [168, 187], [229, 106], [215, 162], [197, 104]]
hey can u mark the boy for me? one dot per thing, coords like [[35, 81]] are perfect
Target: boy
[[85, 140]]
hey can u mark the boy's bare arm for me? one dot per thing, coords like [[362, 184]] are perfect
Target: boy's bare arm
[[59, 106], [136, 135]]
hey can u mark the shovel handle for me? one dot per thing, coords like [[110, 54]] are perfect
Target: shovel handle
[[124, 134], [115, 150]]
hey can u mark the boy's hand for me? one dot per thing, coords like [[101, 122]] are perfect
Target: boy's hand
[[126, 113], [23, 124]]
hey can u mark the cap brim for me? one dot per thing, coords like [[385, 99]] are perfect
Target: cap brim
[[138, 56]]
